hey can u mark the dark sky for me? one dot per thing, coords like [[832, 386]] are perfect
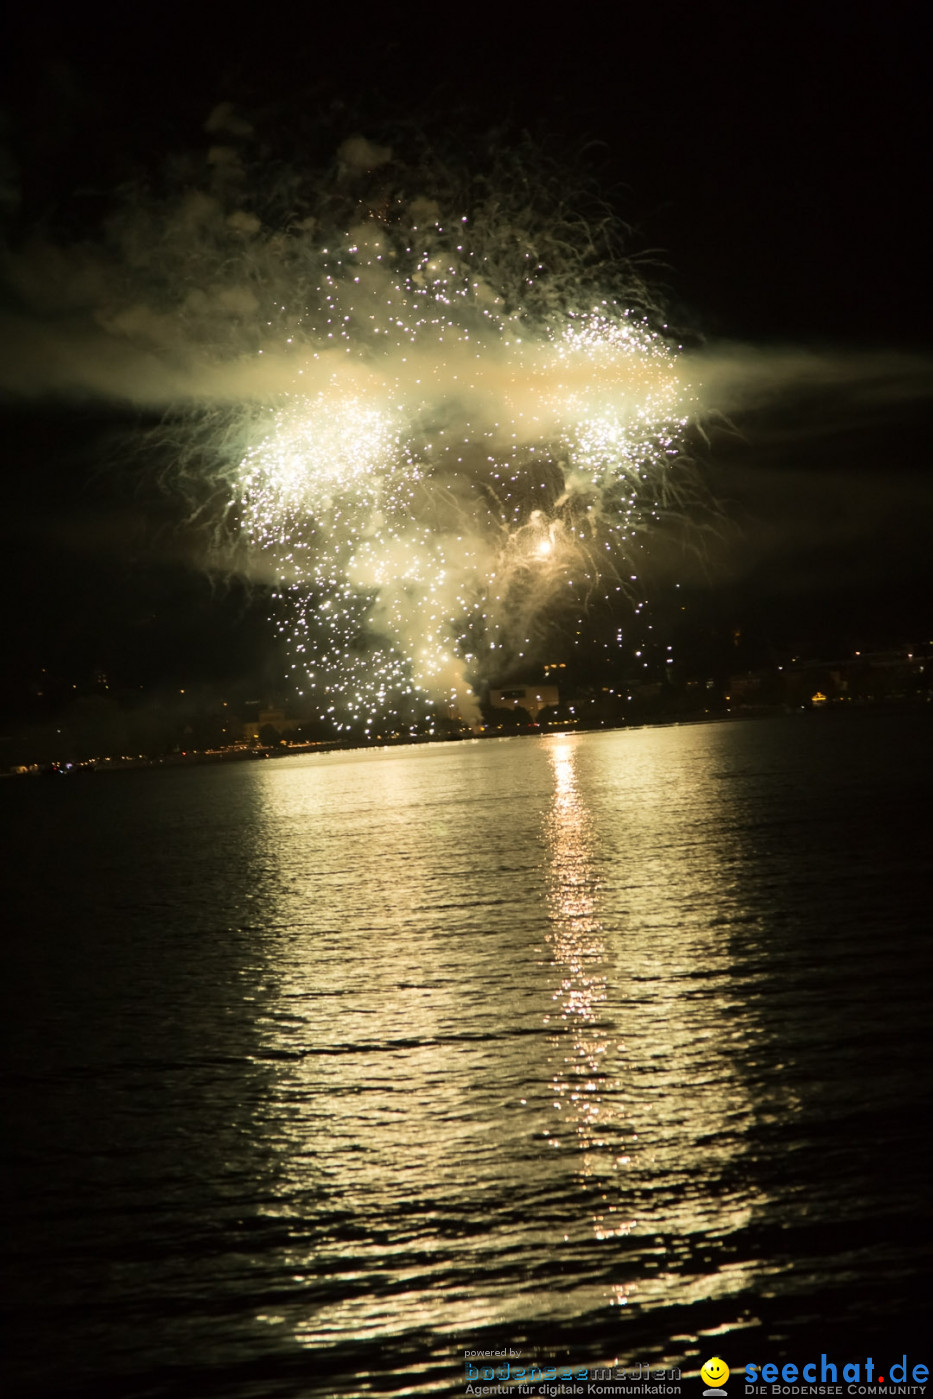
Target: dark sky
[[777, 156]]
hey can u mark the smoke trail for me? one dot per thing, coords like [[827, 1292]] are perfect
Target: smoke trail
[[743, 378]]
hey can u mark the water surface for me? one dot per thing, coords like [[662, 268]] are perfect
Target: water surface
[[605, 1046]]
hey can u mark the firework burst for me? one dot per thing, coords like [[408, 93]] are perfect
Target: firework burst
[[443, 461], [434, 411]]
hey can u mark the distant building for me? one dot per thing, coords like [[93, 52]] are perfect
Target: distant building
[[268, 718]]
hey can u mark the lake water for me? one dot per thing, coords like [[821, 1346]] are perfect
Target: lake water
[[605, 1047]]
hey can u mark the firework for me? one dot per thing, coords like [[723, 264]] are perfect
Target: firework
[[442, 408], [444, 461]]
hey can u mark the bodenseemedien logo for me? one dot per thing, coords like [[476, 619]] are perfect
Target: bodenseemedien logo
[[714, 1375]]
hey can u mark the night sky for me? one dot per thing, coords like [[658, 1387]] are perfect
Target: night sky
[[773, 159]]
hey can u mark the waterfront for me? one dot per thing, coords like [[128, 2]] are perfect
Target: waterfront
[[610, 1047]]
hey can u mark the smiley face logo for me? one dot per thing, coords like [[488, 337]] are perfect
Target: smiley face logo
[[715, 1372]]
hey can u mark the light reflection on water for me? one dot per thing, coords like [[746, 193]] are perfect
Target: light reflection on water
[[586, 1088], [647, 1076], [522, 1042]]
